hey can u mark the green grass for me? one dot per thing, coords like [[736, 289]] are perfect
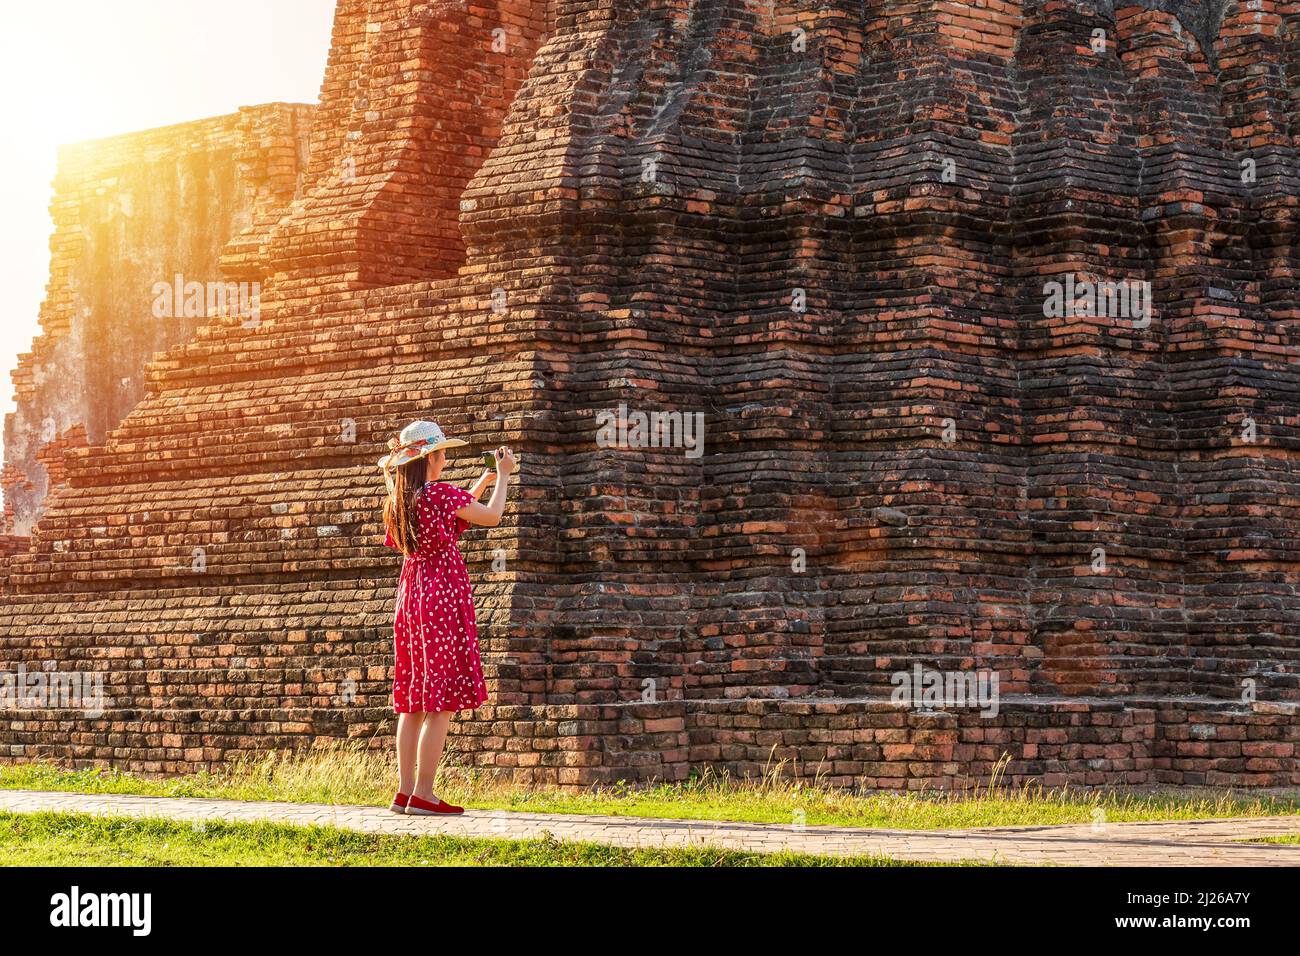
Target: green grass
[[341, 774], [1292, 839], [57, 839]]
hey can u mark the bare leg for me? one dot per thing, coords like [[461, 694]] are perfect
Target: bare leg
[[408, 742], [432, 737]]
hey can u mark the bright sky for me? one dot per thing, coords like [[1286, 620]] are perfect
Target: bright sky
[[82, 69]]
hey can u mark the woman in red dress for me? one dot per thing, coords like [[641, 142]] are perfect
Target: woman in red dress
[[435, 638]]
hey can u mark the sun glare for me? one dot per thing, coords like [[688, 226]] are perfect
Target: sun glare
[[80, 70], [95, 74]]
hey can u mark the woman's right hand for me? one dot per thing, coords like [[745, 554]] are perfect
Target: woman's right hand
[[507, 464]]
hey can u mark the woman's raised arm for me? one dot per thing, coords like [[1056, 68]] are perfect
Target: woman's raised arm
[[489, 515], [484, 480]]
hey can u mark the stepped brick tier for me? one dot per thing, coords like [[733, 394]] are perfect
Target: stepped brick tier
[[828, 227], [129, 212]]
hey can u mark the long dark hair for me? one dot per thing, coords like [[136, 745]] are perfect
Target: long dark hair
[[399, 506]]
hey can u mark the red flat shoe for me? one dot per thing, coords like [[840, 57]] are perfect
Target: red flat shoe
[[399, 803], [423, 808]]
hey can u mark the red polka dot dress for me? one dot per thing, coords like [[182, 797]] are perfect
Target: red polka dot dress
[[435, 637]]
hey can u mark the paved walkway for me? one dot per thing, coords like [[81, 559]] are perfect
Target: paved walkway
[[1186, 843]]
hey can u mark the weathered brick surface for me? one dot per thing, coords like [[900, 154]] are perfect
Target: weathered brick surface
[[131, 211], [485, 246]]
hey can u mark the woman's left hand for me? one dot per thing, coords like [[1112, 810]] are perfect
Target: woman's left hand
[[507, 463]]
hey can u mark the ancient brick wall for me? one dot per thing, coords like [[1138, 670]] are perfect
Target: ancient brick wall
[[412, 102], [831, 230], [128, 212]]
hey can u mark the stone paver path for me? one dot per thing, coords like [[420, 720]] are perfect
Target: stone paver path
[[1185, 843]]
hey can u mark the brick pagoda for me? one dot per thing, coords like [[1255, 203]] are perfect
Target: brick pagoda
[[828, 228]]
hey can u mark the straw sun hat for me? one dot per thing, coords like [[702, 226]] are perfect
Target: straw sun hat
[[417, 439]]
